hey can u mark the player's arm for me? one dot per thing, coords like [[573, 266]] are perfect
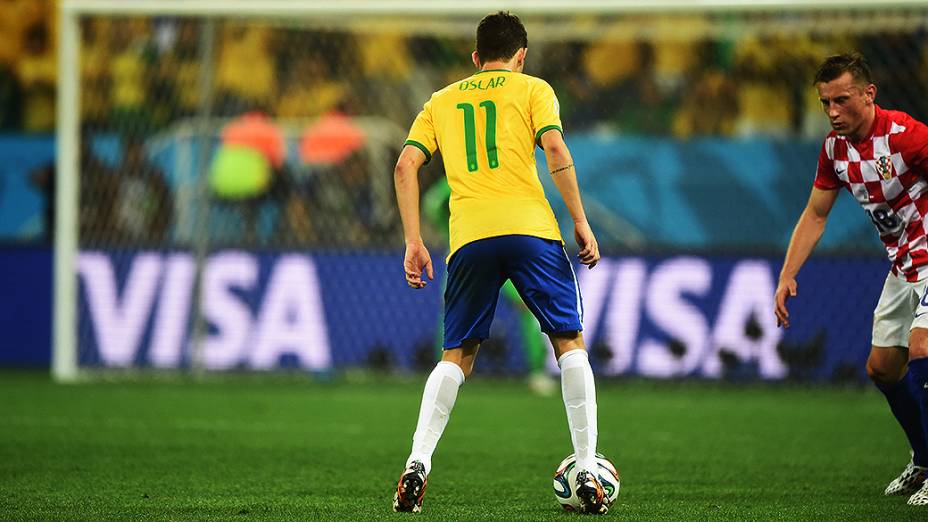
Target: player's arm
[[406, 182], [561, 166], [805, 236]]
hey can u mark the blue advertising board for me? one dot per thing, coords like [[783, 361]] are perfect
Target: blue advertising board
[[25, 306], [661, 317]]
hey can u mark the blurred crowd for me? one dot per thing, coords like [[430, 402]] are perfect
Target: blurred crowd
[[141, 76], [28, 66]]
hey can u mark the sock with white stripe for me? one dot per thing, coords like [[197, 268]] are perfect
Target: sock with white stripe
[[441, 391], [579, 393]]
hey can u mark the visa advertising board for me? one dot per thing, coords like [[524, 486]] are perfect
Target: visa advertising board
[[661, 317]]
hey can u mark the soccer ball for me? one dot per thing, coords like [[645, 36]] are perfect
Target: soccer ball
[[565, 481]]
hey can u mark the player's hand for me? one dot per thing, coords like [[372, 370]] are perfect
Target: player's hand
[[417, 259], [785, 289], [589, 249]]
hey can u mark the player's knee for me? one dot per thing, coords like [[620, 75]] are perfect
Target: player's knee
[[565, 342], [918, 343], [467, 368], [463, 356], [881, 373]]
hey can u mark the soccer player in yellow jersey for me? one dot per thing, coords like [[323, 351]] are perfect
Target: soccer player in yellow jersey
[[501, 227]]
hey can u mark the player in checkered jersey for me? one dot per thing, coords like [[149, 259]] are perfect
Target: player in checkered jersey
[[881, 158]]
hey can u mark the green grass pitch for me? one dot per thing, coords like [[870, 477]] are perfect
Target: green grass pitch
[[288, 448]]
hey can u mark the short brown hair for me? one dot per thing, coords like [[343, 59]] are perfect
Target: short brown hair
[[838, 64], [499, 36]]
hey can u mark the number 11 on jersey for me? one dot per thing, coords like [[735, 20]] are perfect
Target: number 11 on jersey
[[470, 134]]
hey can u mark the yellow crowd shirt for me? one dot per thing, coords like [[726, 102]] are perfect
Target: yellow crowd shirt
[[486, 127]]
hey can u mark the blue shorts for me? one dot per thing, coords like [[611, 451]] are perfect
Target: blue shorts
[[539, 269]]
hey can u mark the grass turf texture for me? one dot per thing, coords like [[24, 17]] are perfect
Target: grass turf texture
[[247, 448]]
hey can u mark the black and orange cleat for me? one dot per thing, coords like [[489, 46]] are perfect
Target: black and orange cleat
[[410, 489], [591, 495]]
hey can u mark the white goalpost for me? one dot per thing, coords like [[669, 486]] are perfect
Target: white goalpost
[[431, 20]]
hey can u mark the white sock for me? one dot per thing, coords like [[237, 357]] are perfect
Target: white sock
[[579, 394], [441, 390]]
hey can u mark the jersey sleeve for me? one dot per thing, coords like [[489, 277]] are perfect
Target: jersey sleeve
[[546, 112], [422, 133], [825, 177]]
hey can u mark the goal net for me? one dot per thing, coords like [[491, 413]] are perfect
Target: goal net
[[225, 190]]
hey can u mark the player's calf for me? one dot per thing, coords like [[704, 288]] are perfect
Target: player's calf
[[410, 489]]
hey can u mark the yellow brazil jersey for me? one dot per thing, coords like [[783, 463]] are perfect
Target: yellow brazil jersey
[[486, 127]]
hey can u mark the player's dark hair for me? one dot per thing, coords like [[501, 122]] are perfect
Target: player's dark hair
[[499, 36], [838, 64]]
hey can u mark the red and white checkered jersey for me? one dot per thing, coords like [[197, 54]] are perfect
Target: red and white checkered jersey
[[886, 174]]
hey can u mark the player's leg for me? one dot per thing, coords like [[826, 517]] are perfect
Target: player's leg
[[918, 369], [470, 301], [438, 398], [887, 368], [578, 389], [579, 393], [546, 281]]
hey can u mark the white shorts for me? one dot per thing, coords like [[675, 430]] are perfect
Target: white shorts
[[903, 306]]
